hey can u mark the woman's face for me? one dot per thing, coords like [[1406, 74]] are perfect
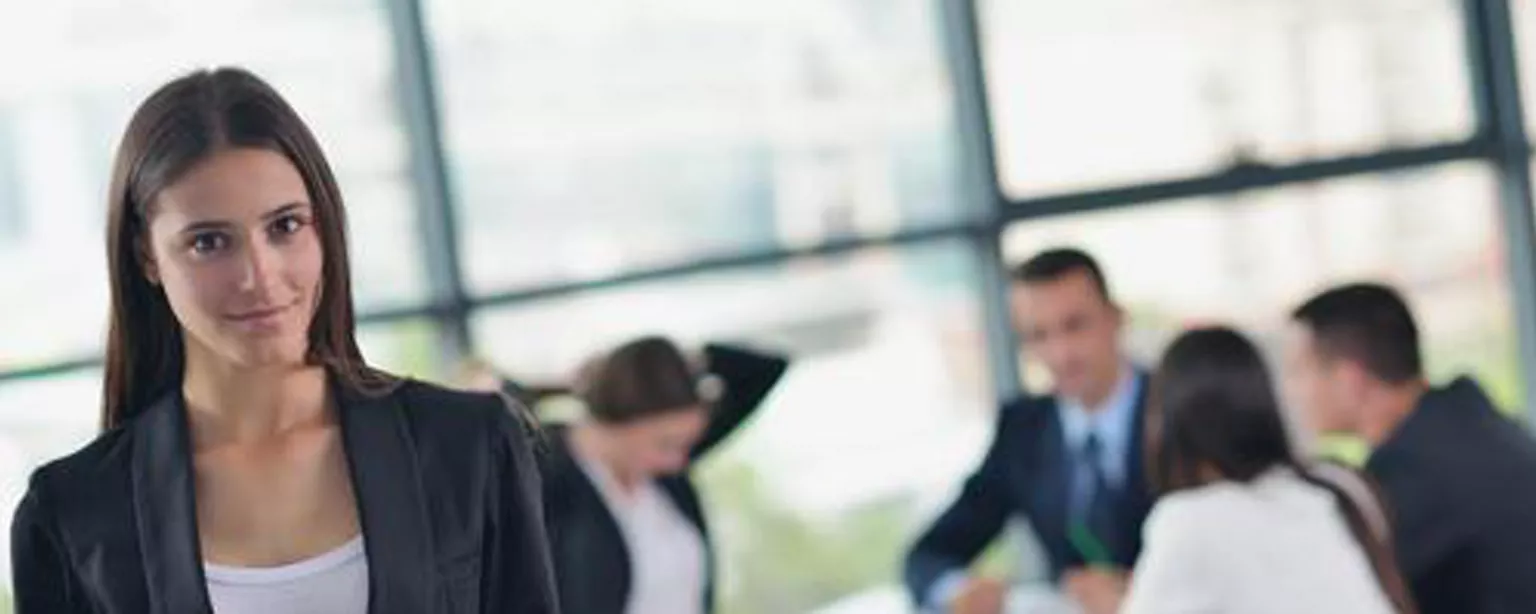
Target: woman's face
[[234, 245], [660, 445]]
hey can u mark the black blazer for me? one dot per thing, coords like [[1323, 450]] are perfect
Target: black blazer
[[448, 500], [1461, 479], [1026, 473], [591, 560]]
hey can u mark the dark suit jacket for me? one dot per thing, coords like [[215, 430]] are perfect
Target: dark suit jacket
[[1461, 479], [447, 490], [1026, 474], [591, 560]]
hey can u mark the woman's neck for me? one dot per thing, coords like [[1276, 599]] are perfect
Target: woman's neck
[[594, 444], [233, 404]]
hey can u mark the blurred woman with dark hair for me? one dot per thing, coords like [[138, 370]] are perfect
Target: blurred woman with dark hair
[[626, 525], [1242, 525]]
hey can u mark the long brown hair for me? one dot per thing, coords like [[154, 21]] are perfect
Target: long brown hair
[[1213, 406], [180, 125]]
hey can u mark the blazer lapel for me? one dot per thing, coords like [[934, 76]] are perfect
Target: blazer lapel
[[397, 534], [578, 513], [165, 510]]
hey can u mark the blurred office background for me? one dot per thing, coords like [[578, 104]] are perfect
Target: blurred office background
[[531, 181]]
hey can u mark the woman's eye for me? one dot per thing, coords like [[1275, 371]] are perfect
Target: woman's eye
[[209, 242], [287, 225]]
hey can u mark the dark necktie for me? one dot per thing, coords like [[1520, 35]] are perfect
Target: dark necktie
[[1097, 534]]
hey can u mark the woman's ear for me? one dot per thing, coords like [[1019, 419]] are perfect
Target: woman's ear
[[146, 258]]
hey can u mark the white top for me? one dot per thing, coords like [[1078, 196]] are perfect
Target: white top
[[1277, 545], [666, 551], [333, 583]]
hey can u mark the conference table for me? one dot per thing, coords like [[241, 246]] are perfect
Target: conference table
[[892, 599]]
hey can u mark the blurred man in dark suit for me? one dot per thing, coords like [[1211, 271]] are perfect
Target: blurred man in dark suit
[[1460, 477], [1068, 462]]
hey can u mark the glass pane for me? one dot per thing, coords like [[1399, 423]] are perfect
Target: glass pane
[[827, 464], [1525, 32], [60, 120], [1113, 91], [589, 137], [1249, 259], [402, 347], [40, 420]]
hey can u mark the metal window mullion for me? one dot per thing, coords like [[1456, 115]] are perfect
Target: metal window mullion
[[418, 97], [1496, 101], [980, 189], [1229, 181]]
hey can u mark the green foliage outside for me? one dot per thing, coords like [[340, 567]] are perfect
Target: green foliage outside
[[774, 560], [1491, 356], [410, 349]]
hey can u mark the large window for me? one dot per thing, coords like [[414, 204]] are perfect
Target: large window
[[1098, 92], [588, 138]]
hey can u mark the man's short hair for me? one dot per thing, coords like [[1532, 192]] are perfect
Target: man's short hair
[[1366, 323], [1054, 264]]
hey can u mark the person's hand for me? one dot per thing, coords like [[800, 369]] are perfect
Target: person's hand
[[979, 596], [1098, 590]]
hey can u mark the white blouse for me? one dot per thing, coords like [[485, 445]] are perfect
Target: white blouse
[[1277, 545], [666, 551], [332, 583]]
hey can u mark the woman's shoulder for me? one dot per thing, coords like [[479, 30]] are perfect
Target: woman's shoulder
[[440, 416], [421, 394], [94, 477], [1271, 496], [92, 455], [1200, 508], [1191, 509], [434, 406]]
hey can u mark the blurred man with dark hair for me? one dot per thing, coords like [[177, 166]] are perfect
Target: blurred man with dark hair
[[1460, 477], [1069, 462]]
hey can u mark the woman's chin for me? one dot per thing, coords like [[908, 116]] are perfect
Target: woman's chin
[[269, 353]]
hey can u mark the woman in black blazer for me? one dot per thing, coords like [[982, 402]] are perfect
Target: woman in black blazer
[[243, 433], [651, 414]]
